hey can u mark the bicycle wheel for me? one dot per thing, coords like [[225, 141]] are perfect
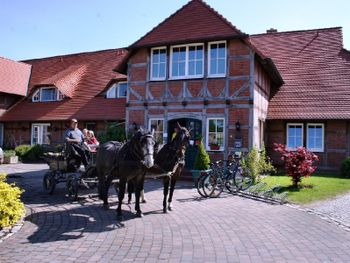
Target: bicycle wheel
[[230, 183], [200, 184], [72, 188], [213, 185], [49, 182], [243, 180]]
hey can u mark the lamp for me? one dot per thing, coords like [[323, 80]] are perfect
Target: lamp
[[238, 126]]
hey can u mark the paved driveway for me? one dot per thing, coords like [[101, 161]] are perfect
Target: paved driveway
[[226, 229]]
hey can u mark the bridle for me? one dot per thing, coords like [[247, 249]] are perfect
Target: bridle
[[136, 155]]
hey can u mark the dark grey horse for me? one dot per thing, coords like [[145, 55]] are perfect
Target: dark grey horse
[[171, 159], [127, 162]]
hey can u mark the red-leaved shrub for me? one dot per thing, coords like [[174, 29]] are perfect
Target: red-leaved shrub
[[298, 163]]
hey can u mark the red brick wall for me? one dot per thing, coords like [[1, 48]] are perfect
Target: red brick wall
[[336, 142]]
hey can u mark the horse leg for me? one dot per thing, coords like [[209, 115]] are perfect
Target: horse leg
[[103, 191], [143, 199], [165, 193], [130, 191], [122, 185], [138, 185], [172, 188]]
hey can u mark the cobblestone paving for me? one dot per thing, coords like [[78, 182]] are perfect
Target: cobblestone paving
[[337, 208], [226, 229]]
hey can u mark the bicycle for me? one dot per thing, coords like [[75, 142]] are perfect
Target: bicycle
[[230, 176]]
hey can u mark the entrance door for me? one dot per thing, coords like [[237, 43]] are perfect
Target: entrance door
[[1, 134], [196, 132]]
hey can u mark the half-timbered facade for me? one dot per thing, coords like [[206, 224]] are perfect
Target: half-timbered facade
[[197, 69]]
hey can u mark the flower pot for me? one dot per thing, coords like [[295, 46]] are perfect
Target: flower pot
[[11, 159], [214, 147]]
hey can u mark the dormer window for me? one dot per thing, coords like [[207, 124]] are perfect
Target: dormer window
[[117, 90], [47, 94]]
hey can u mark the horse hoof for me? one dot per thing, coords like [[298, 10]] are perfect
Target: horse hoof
[[105, 206], [165, 210], [139, 214], [144, 201], [170, 208]]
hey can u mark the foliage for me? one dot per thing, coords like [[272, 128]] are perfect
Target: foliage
[[11, 206], [113, 132], [202, 160], [314, 188], [29, 153], [297, 164], [345, 167], [9, 153], [256, 163]]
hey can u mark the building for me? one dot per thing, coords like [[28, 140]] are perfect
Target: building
[[81, 86], [232, 89], [14, 80]]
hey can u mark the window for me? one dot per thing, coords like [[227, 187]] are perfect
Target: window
[[294, 135], [117, 90], [215, 134], [187, 61], [315, 137], [217, 59], [158, 126], [158, 63], [40, 134], [47, 94]]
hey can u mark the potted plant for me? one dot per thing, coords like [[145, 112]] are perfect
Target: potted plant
[[10, 157], [214, 146], [201, 163]]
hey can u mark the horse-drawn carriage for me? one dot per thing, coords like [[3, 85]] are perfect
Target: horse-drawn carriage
[[64, 168]]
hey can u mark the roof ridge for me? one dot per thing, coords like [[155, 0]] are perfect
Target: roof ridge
[[298, 31], [215, 12], [124, 49], [15, 61], [204, 4]]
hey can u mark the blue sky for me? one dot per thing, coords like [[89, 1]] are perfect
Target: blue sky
[[39, 28]]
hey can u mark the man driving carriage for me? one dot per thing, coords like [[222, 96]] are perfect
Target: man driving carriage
[[74, 140]]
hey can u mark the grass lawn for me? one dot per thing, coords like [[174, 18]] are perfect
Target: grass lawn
[[316, 187]]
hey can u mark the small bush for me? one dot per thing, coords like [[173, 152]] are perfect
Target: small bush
[[113, 132], [29, 153], [11, 206], [297, 164], [345, 167], [9, 153], [202, 158]]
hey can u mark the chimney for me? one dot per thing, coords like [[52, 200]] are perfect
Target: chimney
[[271, 30]]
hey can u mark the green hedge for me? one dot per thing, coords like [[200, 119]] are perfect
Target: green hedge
[[11, 206], [29, 153], [345, 168]]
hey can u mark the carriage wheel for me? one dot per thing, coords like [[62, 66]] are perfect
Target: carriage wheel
[[72, 188], [49, 182]]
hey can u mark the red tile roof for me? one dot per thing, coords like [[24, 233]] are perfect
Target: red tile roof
[[14, 77], [81, 77], [194, 21], [316, 72]]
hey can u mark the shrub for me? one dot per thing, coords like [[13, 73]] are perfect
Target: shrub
[[11, 206], [202, 158], [113, 132], [345, 167], [256, 163], [297, 164], [29, 153], [9, 153]]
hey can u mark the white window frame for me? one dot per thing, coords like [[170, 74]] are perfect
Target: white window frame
[[186, 76], [156, 119], [122, 82], [115, 87], [302, 135], [37, 95], [209, 47], [166, 62], [40, 132], [207, 146], [307, 137]]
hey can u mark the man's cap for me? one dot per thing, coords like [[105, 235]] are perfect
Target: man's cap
[[74, 120]]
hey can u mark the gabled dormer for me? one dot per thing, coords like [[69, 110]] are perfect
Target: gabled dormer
[[47, 94]]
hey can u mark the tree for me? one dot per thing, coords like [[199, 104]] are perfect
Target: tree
[[202, 160]]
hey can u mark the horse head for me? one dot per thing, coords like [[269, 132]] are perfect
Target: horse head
[[143, 144], [181, 139]]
